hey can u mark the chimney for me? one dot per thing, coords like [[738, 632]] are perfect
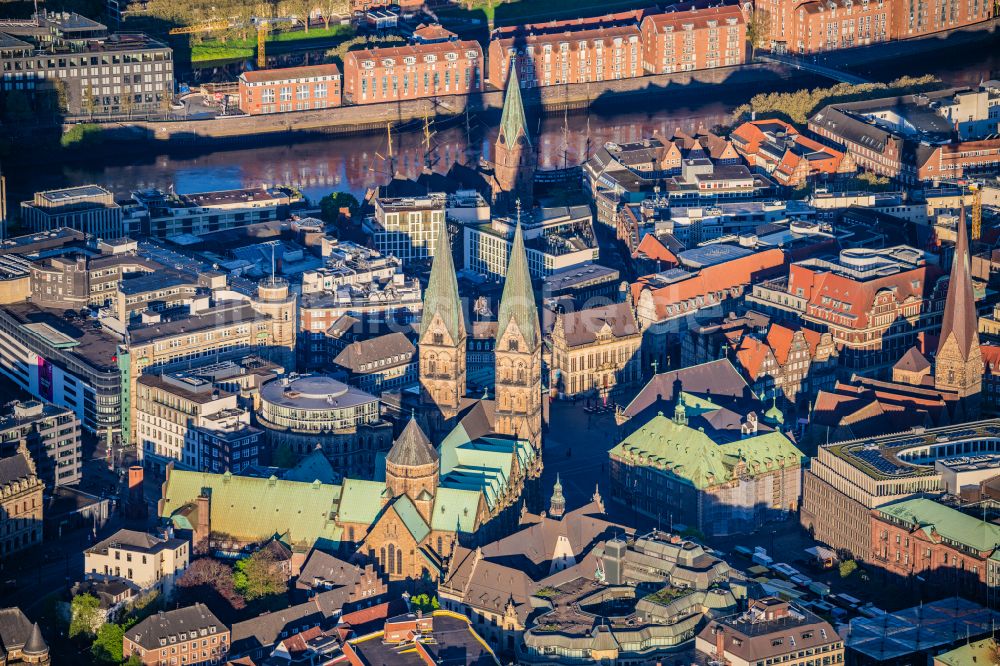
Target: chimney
[[720, 643], [204, 526]]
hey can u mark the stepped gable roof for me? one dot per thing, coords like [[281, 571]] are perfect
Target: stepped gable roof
[[583, 326], [412, 448]]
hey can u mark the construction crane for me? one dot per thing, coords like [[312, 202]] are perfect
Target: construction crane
[[977, 212], [261, 24], [210, 26]]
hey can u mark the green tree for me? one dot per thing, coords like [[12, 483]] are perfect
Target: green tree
[[848, 567], [134, 660], [284, 457], [332, 204], [108, 645], [85, 615], [259, 576], [758, 30], [88, 102], [425, 603]]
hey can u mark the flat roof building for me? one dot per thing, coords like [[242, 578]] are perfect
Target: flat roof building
[[87, 208]]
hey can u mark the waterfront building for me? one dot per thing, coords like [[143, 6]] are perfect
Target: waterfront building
[[558, 238], [52, 436], [144, 560], [847, 479], [63, 54], [349, 263], [595, 351], [395, 73], [581, 50], [716, 487], [87, 208], [165, 214], [21, 642], [290, 89], [181, 418], [791, 159], [305, 412], [693, 38], [771, 630], [911, 138], [192, 630], [809, 26], [21, 502]]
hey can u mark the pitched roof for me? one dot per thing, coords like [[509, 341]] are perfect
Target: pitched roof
[[912, 361], [652, 248], [517, 304], [289, 73], [513, 122], [751, 356], [191, 620], [442, 298], [940, 521], [411, 518], [264, 630], [583, 326], [36, 644], [381, 348], [718, 379], [960, 318], [14, 468], [360, 501], [15, 628], [302, 511], [412, 448]]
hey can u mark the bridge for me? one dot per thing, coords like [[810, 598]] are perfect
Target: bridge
[[807, 65]]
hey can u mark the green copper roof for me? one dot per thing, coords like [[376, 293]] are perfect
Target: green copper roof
[[254, 509], [455, 508], [408, 513], [693, 456], [441, 297], [513, 122], [949, 523], [361, 501], [518, 301]]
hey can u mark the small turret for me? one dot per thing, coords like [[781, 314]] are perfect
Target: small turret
[[557, 506]]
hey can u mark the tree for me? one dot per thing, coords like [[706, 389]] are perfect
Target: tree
[[259, 576], [284, 457], [134, 660], [88, 101], [847, 567], [208, 573], [128, 104], [758, 30], [108, 645], [85, 615], [331, 8], [332, 204], [425, 603]]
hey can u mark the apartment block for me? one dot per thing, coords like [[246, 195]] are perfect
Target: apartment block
[[191, 635], [691, 39], [408, 227], [290, 89], [603, 48], [413, 72]]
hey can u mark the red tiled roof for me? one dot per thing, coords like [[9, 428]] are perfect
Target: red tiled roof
[[652, 248], [433, 31], [290, 73], [751, 356], [780, 339], [991, 358], [436, 48], [698, 17]]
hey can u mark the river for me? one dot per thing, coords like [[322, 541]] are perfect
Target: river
[[355, 164]]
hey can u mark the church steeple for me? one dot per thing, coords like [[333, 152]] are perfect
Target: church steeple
[[958, 365], [514, 163], [442, 332], [557, 505], [518, 352]]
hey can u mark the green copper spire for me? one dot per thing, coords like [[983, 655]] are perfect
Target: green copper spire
[[441, 296], [518, 300], [513, 122]]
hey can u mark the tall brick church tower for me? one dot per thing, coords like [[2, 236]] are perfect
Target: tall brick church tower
[[958, 365], [442, 334], [518, 352], [513, 154]]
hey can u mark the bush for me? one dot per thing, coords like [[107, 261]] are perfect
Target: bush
[[848, 567], [799, 105], [425, 603], [108, 648], [82, 135]]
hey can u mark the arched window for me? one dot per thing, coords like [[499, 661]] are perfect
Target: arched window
[[440, 546], [392, 557], [381, 557], [399, 561]]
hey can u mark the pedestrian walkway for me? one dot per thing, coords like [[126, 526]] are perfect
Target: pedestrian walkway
[[809, 66]]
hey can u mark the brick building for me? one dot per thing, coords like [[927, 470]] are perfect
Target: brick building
[[791, 159], [412, 72], [291, 89], [921, 537], [190, 635], [602, 48], [682, 41]]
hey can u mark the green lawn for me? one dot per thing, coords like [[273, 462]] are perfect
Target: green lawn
[[240, 49], [520, 11]]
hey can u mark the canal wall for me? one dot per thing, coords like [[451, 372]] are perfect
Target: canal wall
[[371, 118]]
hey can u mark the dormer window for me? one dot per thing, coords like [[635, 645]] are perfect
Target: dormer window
[[388, 62], [471, 55], [450, 57], [430, 58], [368, 64], [410, 60]]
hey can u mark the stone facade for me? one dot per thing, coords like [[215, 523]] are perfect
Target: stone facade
[[20, 503]]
